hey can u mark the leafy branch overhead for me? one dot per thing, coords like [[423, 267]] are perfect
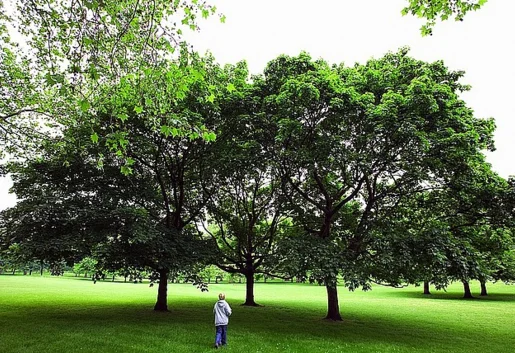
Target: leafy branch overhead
[[433, 10], [77, 54]]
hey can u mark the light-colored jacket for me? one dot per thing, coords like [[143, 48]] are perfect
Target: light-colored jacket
[[222, 311]]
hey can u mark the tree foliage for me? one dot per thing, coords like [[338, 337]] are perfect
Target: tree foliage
[[458, 232], [78, 54], [244, 213], [352, 143], [433, 10], [140, 220]]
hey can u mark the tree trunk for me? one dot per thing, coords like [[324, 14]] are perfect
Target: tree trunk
[[333, 309], [466, 288], [161, 304], [483, 289], [249, 296], [426, 287]]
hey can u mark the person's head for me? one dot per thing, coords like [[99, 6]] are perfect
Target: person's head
[[221, 296]]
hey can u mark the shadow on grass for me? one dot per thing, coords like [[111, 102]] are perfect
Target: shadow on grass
[[271, 323], [386, 321], [440, 295]]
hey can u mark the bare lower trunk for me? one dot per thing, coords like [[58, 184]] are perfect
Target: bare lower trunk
[[333, 309], [426, 287], [483, 289], [466, 288], [161, 304], [249, 296]]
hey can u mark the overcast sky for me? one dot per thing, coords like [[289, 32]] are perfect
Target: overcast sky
[[352, 31]]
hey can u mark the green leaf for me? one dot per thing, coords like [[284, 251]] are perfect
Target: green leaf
[[122, 116], [230, 87], [84, 105], [49, 79], [138, 109], [209, 136], [93, 73], [59, 78], [193, 135], [126, 170], [165, 130], [197, 75], [211, 98], [94, 137], [88, 41]]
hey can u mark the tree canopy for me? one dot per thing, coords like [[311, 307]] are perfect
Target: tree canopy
[[358, 174]]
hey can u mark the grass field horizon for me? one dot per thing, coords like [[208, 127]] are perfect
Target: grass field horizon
[[66, 314]]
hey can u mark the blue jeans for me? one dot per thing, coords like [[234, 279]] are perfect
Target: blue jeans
[[221, 335]]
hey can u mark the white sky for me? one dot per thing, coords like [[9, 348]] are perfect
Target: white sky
[[352, 31]]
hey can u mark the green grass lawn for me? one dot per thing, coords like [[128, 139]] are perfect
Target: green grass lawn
[[42, 314]]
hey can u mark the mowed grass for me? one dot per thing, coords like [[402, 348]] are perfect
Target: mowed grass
[[42, 314]]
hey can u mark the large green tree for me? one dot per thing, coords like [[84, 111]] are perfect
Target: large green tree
[[68, 211], [245, 214], [367, 135], [143, 218]]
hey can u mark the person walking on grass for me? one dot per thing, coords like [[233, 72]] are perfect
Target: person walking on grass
[[222, 311]]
